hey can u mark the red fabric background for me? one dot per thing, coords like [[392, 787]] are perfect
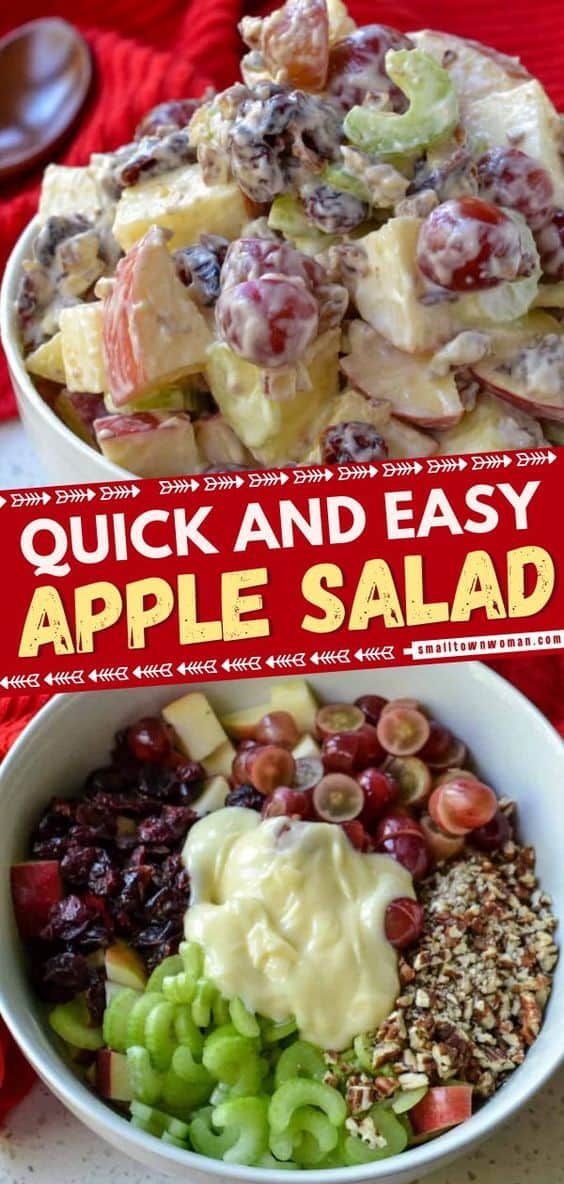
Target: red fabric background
[[145, 52]]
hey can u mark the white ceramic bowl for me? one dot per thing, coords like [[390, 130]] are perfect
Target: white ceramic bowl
[[65, 458], [517, 751]]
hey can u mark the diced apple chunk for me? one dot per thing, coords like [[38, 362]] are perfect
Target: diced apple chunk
[[388, 292], [153, 333], [112, 1076], [81, 341], [307, 746], [196, 725], [47, 360], [523, 117], [180, 201], [401, 439], [476, 70], [242, 724], [78, 410], [341, 23], [220, 762], [69, 190], [295, 696], [36, 886], [213, 796], [531, 377], [125, 966], [405, 440], [403, 380], [218, 443], [273, 413], [149, 443], [491, 426]]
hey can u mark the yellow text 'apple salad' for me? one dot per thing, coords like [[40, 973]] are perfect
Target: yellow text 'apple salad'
[[291, 918]]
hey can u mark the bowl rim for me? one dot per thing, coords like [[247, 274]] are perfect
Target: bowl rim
[[20, 377], [88, 1107]]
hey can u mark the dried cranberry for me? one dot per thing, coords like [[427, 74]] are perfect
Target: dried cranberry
[[343, 443], [63, 976], [95, 996], [55, 230], [247, 796], [75, 922], [76, 864], [168, 829], [165, 117], [108, 781], [103, 878], [151, 156], [332, 210], [50, 848], [199, 267], [179, 784]]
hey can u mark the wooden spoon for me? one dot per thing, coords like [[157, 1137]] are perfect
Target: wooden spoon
[[46, 70]]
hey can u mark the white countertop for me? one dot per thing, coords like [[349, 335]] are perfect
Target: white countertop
[[43, 1142]]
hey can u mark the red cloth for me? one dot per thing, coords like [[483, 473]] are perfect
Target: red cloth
[[161, 49], [169, 48]]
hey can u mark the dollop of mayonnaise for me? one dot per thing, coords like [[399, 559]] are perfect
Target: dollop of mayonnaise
[[291, 919]]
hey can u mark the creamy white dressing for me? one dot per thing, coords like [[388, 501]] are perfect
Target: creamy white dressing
[[291, 919]]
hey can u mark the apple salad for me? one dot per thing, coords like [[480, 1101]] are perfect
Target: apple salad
[[299, 936], [355, 252]]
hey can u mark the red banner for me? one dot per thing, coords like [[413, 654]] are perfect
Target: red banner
[[229, 574]]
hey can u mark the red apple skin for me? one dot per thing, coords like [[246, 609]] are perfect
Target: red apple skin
[[36, 887], [533, 407], [112, 1081], [425, 421], [419, 420], [443, 1106]]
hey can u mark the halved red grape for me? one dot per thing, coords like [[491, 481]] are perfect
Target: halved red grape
[[309, 770], [338, 798], [380, 792], [550, 246], [467, 244], [413, 778], [410, 851], [269, 321], [277, 727], [371, 707], [403, 922], [241, 763], [462, 805], [442, 750], [370, 751], [357, 66], [404, 731], [270, 766], [149, 739], [508, 177], [393, 703], [398, 823], [287, 802], [493, 835], [453, 773], [356, 834], [339, 752], [338, 717], [440, 845]]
